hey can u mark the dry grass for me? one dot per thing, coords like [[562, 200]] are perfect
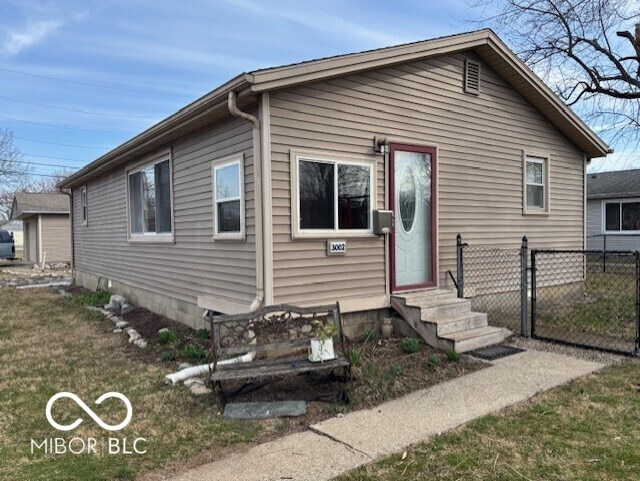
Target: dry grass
[[48, 345], [588, 430]]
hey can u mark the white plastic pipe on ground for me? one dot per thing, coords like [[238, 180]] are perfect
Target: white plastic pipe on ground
[[203, 369]]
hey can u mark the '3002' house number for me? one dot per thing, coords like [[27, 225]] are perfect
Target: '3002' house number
[[336, 247]]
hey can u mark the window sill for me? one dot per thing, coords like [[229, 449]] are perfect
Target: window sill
[[622, 233], [151, 239], [536, 212], [229, 237], [333, 235]]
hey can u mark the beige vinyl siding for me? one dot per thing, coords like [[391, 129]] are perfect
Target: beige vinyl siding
[[480, 141], [56, 238], [194, 264]]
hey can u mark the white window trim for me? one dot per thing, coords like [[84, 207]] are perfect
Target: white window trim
[[84, 205], [603, 207], [296, 232], [215, 166], [150, 237], [545, 160]]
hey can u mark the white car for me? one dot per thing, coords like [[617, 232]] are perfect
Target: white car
[[7, 245]]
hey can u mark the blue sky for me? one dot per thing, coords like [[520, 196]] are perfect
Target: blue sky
[[78, 78]]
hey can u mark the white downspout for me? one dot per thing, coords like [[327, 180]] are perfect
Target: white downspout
[[257, 183]]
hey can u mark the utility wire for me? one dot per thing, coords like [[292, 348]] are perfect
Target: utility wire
[[57, 158], [29, 162], [87, 112], [92, 84], [28, 173], [67, 128], [64, 145]]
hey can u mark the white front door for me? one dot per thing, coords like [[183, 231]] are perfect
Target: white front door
[[413, 238]]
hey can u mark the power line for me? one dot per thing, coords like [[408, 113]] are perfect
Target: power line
[[92, 84], [30, 162], [27, 173], [64, 145], [56, 158], [65, 127], [87, 112]]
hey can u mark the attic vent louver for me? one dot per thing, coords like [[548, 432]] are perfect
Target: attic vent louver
[[471, 77]]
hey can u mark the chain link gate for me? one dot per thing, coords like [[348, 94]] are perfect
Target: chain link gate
[[587, 298]]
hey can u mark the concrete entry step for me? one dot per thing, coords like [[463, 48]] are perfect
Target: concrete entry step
[[459, 322], [471, 339]]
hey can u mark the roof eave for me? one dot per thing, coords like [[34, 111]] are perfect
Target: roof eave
[[212, 101]]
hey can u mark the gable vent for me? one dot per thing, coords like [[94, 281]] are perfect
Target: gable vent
[[471, 77]]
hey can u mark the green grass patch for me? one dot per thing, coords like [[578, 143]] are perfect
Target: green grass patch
[[93, 298], [585, 431], [55, 345]]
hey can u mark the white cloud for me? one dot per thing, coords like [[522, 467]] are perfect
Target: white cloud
[[32, 33]]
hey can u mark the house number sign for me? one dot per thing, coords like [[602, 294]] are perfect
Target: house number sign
[[336, 247]]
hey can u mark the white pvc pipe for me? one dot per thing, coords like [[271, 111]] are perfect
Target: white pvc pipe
[[203, 369]]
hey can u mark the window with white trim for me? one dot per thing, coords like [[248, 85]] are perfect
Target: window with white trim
[[228, 198], [622, 216], [536, 176], [334, 195], [149, 195], [83, 204]]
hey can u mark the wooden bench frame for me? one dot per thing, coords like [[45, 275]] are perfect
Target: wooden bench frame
[[281, 328]]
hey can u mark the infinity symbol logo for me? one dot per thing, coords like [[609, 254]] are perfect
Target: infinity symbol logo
[[88, 410]]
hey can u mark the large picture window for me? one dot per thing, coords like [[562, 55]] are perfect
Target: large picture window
[[622, 216], [334, 195], [150, 200], [228, 198]]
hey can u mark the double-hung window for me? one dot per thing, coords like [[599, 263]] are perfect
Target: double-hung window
[[228, 198], [149, 201], [536, 184], [622, 216], [333, 196]]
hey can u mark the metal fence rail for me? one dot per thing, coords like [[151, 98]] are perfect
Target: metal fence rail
[[613, 242], [586, 298]]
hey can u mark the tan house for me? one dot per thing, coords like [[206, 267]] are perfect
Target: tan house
[[273, 187], [46, 226]]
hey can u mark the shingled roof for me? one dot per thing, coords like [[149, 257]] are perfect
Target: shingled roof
[[25, 203], [621, 183]]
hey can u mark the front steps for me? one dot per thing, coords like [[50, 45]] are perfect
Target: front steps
[[446, 322]]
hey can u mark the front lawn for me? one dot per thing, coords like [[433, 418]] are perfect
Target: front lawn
[[586, 431]]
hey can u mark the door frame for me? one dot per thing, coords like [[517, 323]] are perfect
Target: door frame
[[432, 150]]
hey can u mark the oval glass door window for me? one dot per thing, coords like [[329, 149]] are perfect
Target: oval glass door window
[[407, 199]]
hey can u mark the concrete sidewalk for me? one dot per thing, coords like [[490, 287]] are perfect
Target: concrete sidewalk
[[339, 444]]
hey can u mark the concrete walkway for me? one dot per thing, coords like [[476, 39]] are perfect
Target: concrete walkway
[[339, 444]]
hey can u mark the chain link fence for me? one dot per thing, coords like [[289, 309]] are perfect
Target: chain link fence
[[613, 242], [586, 298], [491, 279]]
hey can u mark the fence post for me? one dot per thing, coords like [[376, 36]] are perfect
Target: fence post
[[636, 351], [459, 266], [604, 254], [533, 293], [524, 288]]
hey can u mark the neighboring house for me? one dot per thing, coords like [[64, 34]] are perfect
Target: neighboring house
[[15, 228], [613, 210], [47, 230], [243, 197]]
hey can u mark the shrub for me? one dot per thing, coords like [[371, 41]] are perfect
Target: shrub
[[410, 345], [453, 356], [167, 337], [202, 334], [168, 356], [371, 336], [355, 357], [433, 361], [192, 351], [394, 370]]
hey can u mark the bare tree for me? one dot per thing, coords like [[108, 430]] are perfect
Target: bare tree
[[13, 172], [588, 51]]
